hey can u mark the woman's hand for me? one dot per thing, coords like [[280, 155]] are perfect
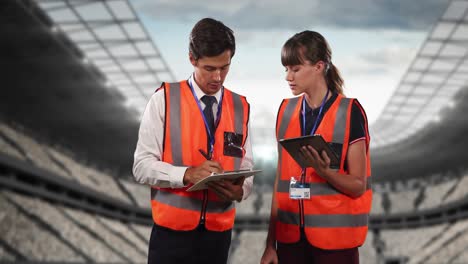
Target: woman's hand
[[320, 163], [269, 256], [354, 183]]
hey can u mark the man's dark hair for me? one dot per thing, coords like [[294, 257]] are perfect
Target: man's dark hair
[[209, 38]]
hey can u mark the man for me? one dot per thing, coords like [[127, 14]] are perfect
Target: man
[[189, 130]]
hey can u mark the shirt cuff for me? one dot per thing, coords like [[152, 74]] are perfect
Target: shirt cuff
[[177, 176], [245, 195], [247, 188]]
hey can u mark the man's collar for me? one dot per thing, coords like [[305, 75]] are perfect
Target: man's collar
[[199, 91]]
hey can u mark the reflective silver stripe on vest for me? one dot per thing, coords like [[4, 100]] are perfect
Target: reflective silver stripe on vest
[[288, 217], [337, 220], [189, 203], [175, 123], [342, 220], [340, 122], [238, 122], [318, 188], [287, 115], [280, 156]]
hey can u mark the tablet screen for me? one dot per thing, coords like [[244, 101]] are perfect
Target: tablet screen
[[293, 145]]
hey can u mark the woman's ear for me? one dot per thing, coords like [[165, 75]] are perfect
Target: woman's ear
[[320, 66]]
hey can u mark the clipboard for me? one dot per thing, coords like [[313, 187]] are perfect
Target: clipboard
[[228, 175], [293, 145]]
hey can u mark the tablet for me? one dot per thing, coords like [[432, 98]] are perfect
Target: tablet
[[293, 145], [228, 175]]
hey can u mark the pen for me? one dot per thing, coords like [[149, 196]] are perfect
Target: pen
[[207, 156], [235, 146]]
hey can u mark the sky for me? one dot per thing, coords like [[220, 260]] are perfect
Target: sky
[[372, 42]]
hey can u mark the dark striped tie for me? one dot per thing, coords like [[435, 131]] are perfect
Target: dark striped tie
[[208, 112]]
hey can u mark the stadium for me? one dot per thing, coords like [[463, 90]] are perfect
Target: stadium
[[76, 81]]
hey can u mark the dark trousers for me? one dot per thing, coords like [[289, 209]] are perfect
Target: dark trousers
[[302, 252], [167, 246]]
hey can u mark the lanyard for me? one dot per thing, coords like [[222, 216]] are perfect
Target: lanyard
[[315, 123], [318, 116], [218, 115]]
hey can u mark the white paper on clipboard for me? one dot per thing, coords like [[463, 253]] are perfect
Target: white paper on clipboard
[[230, 175]]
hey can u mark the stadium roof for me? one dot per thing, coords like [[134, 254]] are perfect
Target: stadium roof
[[111, 36], [436, 74], [77, 74]]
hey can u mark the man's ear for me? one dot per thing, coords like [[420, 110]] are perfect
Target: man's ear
[[193, 61]]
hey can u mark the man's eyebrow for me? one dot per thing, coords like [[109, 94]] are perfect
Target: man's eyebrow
[[211, 66]]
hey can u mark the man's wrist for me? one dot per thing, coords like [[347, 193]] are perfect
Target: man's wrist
[[241, 195], [186, 179]]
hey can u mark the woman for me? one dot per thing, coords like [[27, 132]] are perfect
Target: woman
[[325, 221]]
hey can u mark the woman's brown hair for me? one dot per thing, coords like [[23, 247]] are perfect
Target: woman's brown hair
[[311, 46]]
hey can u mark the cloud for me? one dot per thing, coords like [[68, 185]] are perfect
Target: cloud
[[383, 62], [390, 55], [280, 14]]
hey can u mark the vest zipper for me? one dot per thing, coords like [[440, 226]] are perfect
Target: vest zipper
[[203, 209], [301, 202]]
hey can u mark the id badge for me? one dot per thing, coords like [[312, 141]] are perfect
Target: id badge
[[233, 145], [298, 190]]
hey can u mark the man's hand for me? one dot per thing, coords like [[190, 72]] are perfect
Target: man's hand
[[195, 174], [228, 190]]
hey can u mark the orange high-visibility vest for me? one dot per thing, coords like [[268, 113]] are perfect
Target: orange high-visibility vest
[[331, 219], [184, 135]]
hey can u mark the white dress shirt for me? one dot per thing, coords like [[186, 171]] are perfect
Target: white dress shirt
[[148, 167]]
